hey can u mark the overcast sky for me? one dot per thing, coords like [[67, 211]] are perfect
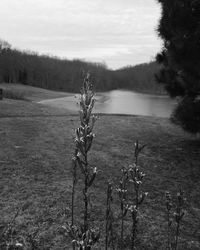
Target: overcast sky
[[117, 32]]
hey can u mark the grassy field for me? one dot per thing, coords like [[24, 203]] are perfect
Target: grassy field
[[35, 170], [31, 93]]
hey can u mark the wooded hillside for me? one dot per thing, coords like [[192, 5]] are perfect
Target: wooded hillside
[[53, 73]]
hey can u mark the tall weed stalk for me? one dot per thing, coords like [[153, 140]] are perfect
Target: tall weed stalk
[[168, 204], [83, 142], [179, 213], [175, 217], [74, 181], [131, 195], [136, 178], [109, 218], [122, 192]]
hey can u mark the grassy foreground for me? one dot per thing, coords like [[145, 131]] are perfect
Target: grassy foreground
[[35, 160]]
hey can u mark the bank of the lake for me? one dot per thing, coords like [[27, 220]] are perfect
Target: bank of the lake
[[35, 170]]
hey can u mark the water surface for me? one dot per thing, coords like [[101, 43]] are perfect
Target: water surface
[[121, 102]]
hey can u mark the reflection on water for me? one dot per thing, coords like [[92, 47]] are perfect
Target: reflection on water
[[122, 102], [128, 102]]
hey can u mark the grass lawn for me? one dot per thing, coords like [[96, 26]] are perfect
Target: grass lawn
[[32, 93], [35, 171]]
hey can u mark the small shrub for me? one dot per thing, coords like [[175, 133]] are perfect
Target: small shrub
[[130, 198], [175, 215], [14, 94]]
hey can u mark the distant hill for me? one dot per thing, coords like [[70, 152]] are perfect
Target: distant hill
[[140, 78], [54, 73]]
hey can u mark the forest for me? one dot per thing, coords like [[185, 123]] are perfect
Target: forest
[[51, 72]]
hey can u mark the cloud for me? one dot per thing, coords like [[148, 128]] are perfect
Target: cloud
[[113, 31]]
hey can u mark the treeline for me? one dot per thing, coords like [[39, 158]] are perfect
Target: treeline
[[54, 73], [140, 78]]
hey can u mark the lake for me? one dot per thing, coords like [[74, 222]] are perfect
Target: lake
[[121, 102]]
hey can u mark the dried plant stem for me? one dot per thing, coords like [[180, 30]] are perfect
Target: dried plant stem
[[178, 216], [85, 193], [176, 237], [84, 236], [168, 232], [169, 222], [84, 138], [134, 214], [109, 231], [72, 215], [73, 188], [74, 166], [122, 228], [134, 222], [122, 191], [136, 177]]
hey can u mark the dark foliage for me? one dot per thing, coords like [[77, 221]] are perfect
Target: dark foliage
[[179, 28], [187, 114]]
